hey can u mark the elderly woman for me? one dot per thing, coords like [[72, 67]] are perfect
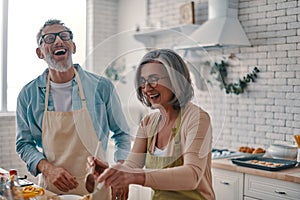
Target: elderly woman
[[174, 143]]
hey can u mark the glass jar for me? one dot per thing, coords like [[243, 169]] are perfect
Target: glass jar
[[3, 188], [13, 188]]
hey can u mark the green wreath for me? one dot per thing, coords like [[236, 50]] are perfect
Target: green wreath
[[236, 88]]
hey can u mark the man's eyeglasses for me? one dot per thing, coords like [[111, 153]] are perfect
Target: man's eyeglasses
[[49, 38], [152, 81]]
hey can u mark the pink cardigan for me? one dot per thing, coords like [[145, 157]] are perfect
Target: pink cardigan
[[196, 140]]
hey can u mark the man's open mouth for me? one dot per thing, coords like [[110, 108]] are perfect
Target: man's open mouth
[[60, 52]]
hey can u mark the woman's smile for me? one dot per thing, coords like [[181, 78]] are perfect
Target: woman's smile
[[154, 96], [158, 90]]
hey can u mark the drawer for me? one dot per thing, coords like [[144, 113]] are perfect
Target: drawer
[[266, 188], [227, 184]]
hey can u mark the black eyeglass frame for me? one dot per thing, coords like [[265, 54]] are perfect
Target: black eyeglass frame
[[153, 83], [55, 35]]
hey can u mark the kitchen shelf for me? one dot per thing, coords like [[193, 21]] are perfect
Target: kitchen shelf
[[148, 36]]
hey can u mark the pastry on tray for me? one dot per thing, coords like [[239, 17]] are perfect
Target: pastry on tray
[[251, 150]]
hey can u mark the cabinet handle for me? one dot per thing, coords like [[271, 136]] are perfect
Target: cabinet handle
[[224, 182], [279, 192]]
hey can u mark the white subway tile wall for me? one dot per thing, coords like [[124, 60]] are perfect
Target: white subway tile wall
[[8, 156], [269, 109]]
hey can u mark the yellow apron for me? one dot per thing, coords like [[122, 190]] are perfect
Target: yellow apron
[[160, 162], [68, 139]]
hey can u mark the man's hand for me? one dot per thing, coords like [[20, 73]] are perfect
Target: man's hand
[[58, 176]]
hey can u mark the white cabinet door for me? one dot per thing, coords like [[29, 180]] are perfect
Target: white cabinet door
[[227, 184], [267, 188]]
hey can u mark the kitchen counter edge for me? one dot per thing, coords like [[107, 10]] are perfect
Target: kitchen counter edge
[[291, 175]]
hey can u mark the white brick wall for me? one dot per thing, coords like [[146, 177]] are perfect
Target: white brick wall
[[269, 109], [8, 156]]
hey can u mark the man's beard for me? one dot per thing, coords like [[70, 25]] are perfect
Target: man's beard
[[58, 66]]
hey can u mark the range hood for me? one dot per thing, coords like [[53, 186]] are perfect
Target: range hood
[[222, 29]]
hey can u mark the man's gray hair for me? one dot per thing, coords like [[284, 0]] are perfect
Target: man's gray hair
[[49, 22]]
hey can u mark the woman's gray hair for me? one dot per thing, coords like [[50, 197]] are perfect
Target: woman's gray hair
[[49, 23], [178, 73]]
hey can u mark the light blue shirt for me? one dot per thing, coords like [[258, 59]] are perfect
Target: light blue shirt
[[100, 95]]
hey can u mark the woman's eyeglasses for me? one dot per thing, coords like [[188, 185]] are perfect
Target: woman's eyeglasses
[[152, 81], [49, 38]]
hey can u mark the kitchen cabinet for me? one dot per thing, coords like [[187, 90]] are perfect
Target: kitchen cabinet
[[267, 188], [227, 184], [236, 182]]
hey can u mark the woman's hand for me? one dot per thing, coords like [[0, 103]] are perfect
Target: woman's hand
[[99, 165], [120, 193], [120, 176]]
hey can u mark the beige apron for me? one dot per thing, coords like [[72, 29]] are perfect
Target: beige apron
[[68, 139], [160, 162]]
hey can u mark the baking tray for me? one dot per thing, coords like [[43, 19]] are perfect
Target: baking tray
[[269, 164]]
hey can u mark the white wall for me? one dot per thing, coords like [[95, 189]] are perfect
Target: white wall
[[111, 25]]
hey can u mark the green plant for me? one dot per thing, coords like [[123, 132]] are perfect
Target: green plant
[[114, 72], [238, 87]]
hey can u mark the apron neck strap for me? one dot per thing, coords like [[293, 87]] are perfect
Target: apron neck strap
[[81, 94], [175, 130], [152, 132], [80, 90]]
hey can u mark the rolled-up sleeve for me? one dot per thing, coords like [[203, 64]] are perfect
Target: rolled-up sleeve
[[26, 145]]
